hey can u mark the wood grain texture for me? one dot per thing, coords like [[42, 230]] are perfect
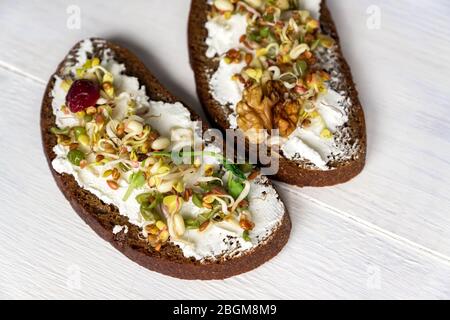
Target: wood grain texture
[[386, 234]]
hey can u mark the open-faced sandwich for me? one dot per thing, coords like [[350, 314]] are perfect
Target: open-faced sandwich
[[266, 66], [110, 132]]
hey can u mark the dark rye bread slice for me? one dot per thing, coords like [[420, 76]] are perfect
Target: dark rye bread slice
[[297, 172], [102, 217]]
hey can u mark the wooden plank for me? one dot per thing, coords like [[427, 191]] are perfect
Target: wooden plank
[[48, 252]]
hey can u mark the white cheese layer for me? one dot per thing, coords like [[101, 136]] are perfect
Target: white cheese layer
[[313, 6], [224, 89], [224, 34], [302, 144], [308, 143], [216, 240]]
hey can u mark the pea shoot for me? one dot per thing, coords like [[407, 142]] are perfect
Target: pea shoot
[[137, 180], [264, 32], [191, 223], [302, 67], [234, 186], [78, 131], [197, 200], [64, 131], [246, 236], [75, 157]]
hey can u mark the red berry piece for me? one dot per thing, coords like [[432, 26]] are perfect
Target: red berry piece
[[82, 94]]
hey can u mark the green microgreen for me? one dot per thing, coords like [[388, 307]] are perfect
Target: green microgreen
[[137, 180]]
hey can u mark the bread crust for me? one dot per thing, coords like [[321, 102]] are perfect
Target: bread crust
[[290, 171], [102, 217]]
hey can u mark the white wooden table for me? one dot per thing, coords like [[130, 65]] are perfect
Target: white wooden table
[[386, 234]]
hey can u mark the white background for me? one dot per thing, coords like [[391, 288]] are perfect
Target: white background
[[386, 234]]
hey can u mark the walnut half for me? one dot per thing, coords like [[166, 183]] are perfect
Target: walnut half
[[263, 108], [255, 109], [285, 117]]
